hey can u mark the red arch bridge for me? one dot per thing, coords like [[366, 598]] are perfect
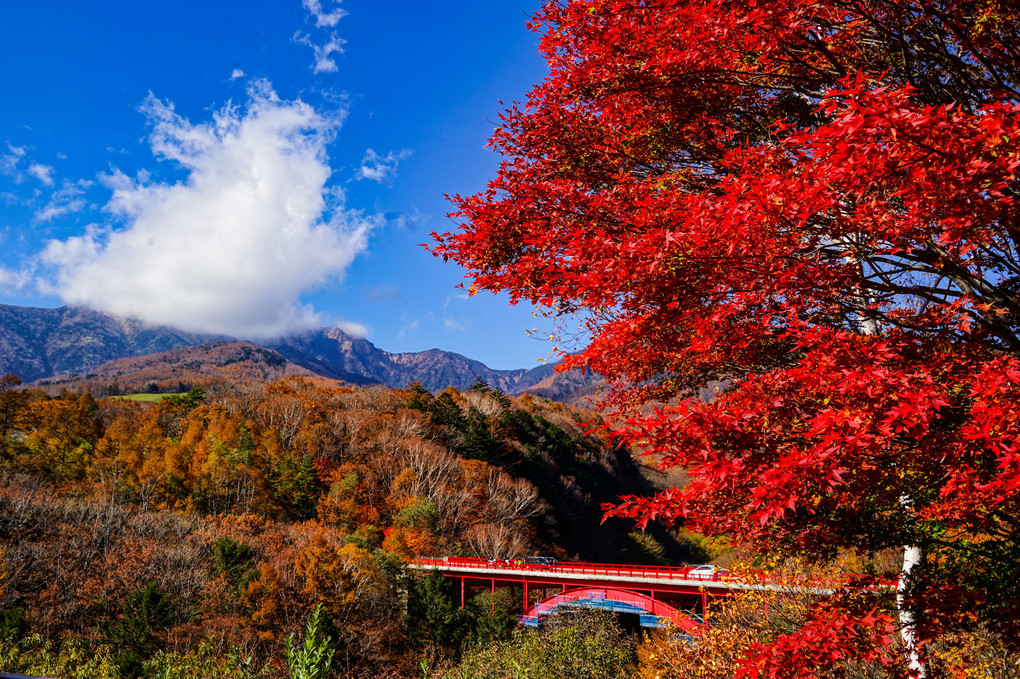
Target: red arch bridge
[[657, 594]]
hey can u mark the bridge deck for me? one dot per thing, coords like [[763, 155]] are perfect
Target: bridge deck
[[663, 578], [570, 574], [642, 587]]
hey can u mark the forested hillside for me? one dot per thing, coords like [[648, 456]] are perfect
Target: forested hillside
[[215, 366], [225, 517]]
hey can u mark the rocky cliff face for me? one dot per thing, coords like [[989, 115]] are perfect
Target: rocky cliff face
[[332, 353]]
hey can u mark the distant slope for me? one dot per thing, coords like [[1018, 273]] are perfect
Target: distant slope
[[179, 369], [573, 386], [36, 343], [331, 353], [68, 345]]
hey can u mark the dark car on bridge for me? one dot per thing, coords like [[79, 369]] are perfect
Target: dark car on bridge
[[540, 561]]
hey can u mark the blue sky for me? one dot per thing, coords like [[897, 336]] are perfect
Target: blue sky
[[252, 168]]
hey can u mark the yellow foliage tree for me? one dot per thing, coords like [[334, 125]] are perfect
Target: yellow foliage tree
[[262, 597], [339, 576]]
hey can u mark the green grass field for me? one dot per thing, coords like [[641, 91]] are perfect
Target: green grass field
[[148, 398]]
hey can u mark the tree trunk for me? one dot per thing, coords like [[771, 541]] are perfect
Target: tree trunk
[[913, 556]]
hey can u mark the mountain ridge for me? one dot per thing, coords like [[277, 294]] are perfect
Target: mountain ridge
[[37, 342], [76, 343]]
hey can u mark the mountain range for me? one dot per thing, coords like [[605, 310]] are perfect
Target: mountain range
[[69, 346]]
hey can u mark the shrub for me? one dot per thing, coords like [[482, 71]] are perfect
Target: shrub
[[581, 645], [313, 658]]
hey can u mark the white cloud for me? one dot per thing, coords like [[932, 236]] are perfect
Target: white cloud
[[403, 220], [329, 43], [411, 324], [231, 248], [352, 329], [9, 162], [451, 324], [381, 169], [43, 173], [236, 73], [12, 165], [324, 61], [457, 297], [14, 281], [70, 197], [322, 17]]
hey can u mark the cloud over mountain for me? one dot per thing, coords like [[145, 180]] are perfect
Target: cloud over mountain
[[231, 247]]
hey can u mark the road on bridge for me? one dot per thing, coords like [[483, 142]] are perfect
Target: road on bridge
[[657, 583]]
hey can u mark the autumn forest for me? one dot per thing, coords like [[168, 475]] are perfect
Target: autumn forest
[[235, 511], [780, 240]]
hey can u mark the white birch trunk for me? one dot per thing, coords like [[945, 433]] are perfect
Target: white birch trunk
[[913, 555]]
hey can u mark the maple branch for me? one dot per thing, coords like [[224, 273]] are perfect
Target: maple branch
[[961, 546]]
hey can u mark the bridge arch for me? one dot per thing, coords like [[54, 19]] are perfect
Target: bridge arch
[[653, 613]]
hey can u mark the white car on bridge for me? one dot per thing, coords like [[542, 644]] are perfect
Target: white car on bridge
[[707, 572]]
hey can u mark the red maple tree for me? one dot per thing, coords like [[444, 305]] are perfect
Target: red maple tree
[[814, 205]]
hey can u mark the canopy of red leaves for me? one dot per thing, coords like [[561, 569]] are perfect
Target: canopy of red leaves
[[813, 204]]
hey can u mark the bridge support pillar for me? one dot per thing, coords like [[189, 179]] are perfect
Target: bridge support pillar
[[462, 592], [527, 603]]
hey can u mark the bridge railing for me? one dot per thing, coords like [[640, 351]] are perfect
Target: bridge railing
[[574, 567], [657, 572]]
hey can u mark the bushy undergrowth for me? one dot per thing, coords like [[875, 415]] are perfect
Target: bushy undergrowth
[[586, 644]]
